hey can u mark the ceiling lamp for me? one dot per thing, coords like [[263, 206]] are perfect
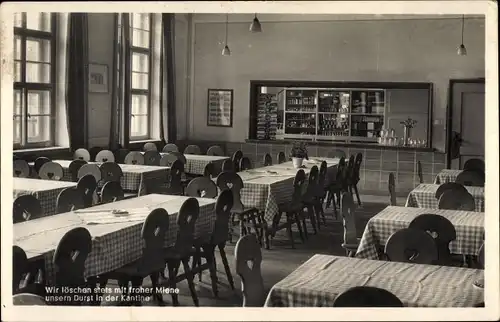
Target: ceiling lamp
[[226, 51], [255, 26], [462, 51]]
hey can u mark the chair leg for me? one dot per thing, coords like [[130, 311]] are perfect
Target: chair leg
[[355, 187], [210, 251], [289, 229], [136, 283], [173, 267], [154, 283], [304, 225], [198, 264], [299, 227], [310, 213], [226, 266], [190, 277]]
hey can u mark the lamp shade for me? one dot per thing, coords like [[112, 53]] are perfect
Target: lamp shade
[[255, 26], [226, 51], [462, 51]]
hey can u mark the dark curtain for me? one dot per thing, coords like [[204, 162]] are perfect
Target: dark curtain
[[77, 78], [168, 126]]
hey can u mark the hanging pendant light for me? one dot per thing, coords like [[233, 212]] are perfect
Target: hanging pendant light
[[255, 26], [226, 51], [462, 51]]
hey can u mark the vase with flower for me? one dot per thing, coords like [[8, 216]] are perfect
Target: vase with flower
[[407, 124], [298, 154]]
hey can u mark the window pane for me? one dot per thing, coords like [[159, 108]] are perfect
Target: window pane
[[37, 73], [18, 19], [18, 102], [39, 102], [139, 104], [17, 129], [38, 21], [17, 116], [17, 71], [38, 50], [140, 21], [140, 81], [139, 126], [140, 38], [39, 128], [17, 47], [140, 62]]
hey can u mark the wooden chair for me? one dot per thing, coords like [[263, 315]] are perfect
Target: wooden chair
[[367, 296], [248, 259], [26, 207], [443, 232], [351, 241], [20, 268], [471, 178], [335, 188], [227, 166], [349, 174], [170, 147], [309, 198], [90, 169], [150, 146], [135, 158], [167, 159], [268, 160], [152, 262], [74, 167], [236, 158], [392, 190], [94, 151], [474, 164], [320, 190], [247, 216], [457, 200], [120, 155], [192, 149], [355, 175], [51, 171], [69, 262], [201, 187], [87, 187], [179, 157], [209, 170], [21, 169], [215, 151], [182, 250], [419, 172], [175, 178], [112, 191], [39, 162], [205, 246], [81, 154], [152, 157], [281, 157], [105, 156], [28, 299], [337, 154], [69, 199], [449, 186], [411, 245], [245, 164], [111, 171]]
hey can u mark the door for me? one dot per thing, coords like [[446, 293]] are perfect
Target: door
[[467, 128]]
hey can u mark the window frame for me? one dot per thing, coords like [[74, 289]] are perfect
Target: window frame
[[25, 86]]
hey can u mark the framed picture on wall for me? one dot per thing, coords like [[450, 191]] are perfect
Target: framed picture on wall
[[220, 107], [98, 78]]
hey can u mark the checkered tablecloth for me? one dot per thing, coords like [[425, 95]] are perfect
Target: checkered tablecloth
[[468, 225], [113, 245], [424, 196], [46, 191], [317, 283], [447, 175]]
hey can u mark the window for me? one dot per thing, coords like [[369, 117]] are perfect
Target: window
[[140, 56], [34, 79]]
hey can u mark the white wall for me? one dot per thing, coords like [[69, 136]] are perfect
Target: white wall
[[397, 50]]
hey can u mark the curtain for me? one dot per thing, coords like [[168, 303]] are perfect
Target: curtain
[[168, 126], [77, 80]]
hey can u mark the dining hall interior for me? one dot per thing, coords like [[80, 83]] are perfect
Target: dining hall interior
[[248, 159]]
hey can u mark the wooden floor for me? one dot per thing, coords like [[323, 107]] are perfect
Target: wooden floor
[[277, 262]]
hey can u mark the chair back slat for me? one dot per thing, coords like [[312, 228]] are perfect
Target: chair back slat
[[26, 207], [74, 167], [236, 158], [152, 157], [112, 191], [201, 187], [281, 157], [94, 151], [233, 182], [69, 199], [449, 186], [348, 218], [356, 168], [192, 149], [268, 160], [21, 169], [175, 177], [135, 158], [392, 189], [111, 171], [28, 299], [457, 200], [81, 154], [51, 171], [312, 183], [19, 267], [120, 155], [227, 166], [105, 156], [480, 256], [367, 296], [419, 172], [474, 164], [298, 187], [245, 164], [223, 208], [411, 245], [248, 258], [153, 234], [39, 162], [472, 178], [209, 170], [87, 186], [186, 221], [215, 151], [150, 146], [91, 169], [170, 147]]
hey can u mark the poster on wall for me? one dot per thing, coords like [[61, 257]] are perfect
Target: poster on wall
[[98, 78], [220, 107]]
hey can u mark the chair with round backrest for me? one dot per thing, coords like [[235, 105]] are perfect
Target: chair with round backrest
[[81, 154], [245, 164], [112, 191], [152, 157], [248, 258], [392, 190], [236, 157], [174, 185], [74, 167], [209, 170], [94, 151], [367, 296], [28, 299], [192, 149], [320, 190], [180, 157], [227, 166], [51, 171], [457, 200], [411, 245], [335, 187], [441, 229], [474, 164], [120, 155], [336, 154], [470, 178], [92, 169], [201, 187], [105, 156], [69, 261], [281, 157], [351, 241], [355, 176], [181, 251], [20, 267], [449, 186], [170, 147], [309, 198], [21, 169], [149, 146], [215, 150], [87, 186], [39, 162], [419, 172], [349, 174], [268, 160], [167, 159], [111, 171], [135, 158], [26, 207], [69, 199]]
